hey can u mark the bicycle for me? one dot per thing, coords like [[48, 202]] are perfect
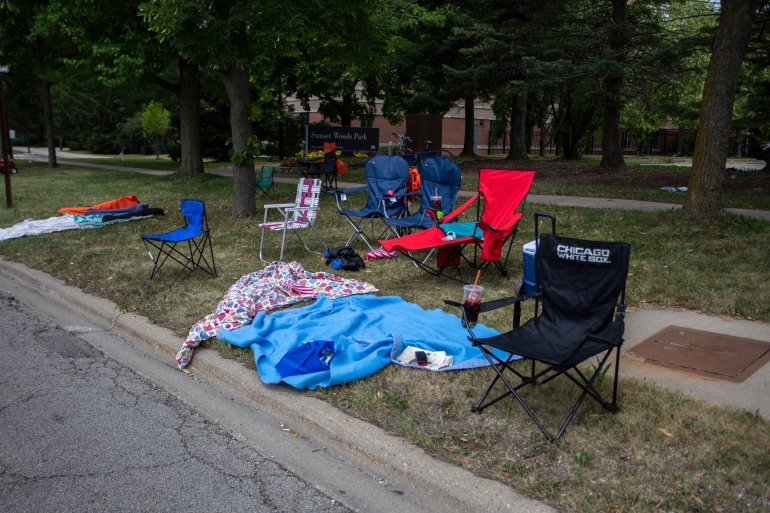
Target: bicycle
[[414, 157], [441, 151]]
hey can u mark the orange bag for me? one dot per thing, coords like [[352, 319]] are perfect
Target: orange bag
[[413, 184], [340, 167]]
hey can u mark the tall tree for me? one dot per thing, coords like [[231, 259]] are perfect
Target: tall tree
[[229, 38], [704, 195], [612, 151]]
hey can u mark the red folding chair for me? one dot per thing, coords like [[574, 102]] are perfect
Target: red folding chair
[[501, 197]]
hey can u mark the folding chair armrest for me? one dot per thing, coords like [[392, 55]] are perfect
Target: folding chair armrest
[[495, 304], [279, 205], [396, 194], [295, 208], [600, 340], [348, 191]]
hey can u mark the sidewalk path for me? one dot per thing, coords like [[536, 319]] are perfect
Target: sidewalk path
[[566, 201]]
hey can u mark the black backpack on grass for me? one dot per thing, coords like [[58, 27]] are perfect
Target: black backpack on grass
[[344, 257]]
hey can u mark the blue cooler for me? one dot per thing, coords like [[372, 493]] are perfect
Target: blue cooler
[[529, 267]]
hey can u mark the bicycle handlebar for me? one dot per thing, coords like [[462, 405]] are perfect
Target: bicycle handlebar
[[404, 137]]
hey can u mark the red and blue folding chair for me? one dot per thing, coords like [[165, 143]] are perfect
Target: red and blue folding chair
[[502, 194]]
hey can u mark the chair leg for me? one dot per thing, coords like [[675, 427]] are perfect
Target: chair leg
[[317, 235]]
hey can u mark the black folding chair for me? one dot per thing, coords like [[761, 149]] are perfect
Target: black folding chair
[[191, 240], [581, 296]]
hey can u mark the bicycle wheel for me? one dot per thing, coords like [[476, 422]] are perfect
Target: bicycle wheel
[[446, 153]]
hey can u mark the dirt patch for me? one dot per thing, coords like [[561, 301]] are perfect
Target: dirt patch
[[749, 183]]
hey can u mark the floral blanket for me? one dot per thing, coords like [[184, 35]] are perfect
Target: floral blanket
[[278, 284]]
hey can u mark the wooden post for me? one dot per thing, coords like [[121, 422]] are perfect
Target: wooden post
[[4, 128]]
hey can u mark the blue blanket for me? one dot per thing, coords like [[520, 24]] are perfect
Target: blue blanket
[[368, 333]]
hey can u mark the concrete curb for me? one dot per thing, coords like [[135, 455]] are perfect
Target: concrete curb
[[450, 488]]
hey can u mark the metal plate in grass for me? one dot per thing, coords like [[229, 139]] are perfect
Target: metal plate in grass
[[710, 354]]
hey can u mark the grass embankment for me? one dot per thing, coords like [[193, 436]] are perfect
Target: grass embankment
[[664, 452], [150, 162], [641, 167]]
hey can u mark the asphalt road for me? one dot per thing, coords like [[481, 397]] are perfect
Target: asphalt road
[[81, 432]]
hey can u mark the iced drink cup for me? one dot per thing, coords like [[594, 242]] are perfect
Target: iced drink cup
[[435, 202], [472, 300]]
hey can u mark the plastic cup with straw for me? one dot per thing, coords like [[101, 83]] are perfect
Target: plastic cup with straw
[[472, 295]]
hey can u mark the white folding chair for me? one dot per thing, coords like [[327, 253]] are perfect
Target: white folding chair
[[296, 216]]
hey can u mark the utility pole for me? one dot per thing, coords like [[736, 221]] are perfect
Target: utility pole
[[4, 128]]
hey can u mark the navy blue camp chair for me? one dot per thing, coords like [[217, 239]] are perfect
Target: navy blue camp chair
[[439, 177], [582, 288], [185, 245], [386, 178]]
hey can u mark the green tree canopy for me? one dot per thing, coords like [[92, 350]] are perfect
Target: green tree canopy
[[155, 123]]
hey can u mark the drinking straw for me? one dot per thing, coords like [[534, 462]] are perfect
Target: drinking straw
[[478, 275], [435, 191]]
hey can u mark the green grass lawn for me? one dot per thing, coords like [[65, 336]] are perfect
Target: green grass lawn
[[717, 458], [151, 162]]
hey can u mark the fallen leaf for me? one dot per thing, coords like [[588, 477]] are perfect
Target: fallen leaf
[[700, 502], [463, 439], [186, 371], [665, 432]]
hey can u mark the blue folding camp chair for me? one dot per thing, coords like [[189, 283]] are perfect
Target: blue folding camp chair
[[192, 240], [386, 178], [440, 181]]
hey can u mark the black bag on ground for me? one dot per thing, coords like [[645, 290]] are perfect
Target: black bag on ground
[[344, 257]]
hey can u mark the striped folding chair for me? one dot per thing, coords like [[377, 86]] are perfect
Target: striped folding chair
[[296, 216]]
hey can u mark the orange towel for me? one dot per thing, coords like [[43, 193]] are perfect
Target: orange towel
[[122, 202]]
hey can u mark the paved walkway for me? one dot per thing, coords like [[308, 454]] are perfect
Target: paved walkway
[[567, 201]]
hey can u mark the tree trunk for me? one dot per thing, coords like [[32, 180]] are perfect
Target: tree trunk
[[529, 134], [704, 195], [48, 113], [518, 149], [572, 147], [346, 118], [612, 152], [680, 143], [189, 119], [469, 123], [45, 86], [236, 82], [542, 138]]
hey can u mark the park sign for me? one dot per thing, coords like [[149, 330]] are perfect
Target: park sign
[[347, 138]]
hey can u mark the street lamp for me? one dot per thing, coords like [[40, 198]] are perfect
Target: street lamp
[[4, 129]]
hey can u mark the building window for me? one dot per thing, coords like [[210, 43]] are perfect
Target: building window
[[367, 124], [654, 142], [304, 118], [627, 140]]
